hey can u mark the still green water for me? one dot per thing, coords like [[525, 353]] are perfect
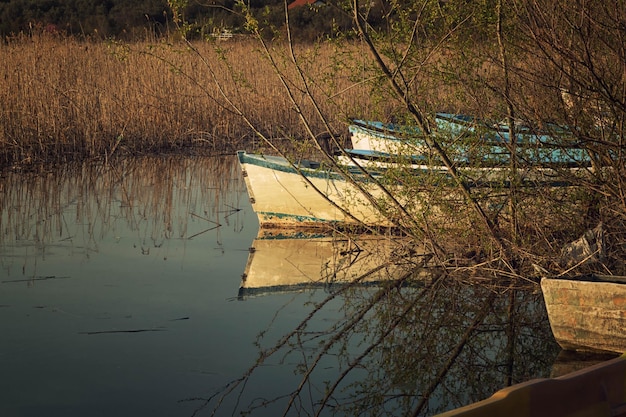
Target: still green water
[[120, 296]]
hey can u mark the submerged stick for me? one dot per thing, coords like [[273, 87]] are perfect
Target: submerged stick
[[33, 279], [124, 331]]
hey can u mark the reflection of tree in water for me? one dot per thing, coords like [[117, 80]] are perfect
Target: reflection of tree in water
[[401, 349], [148, 200], [455, 344]]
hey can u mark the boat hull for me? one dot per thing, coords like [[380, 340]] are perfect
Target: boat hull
[[587, 315], [307, 196]]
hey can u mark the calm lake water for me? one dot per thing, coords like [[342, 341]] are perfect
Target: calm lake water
[[120, 296]]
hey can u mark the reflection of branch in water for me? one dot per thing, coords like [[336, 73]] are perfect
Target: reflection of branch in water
[[204, 231], [356, 361], [33, 279], [454, 354], [123, 331], [204, 218], [230, 212], [422, 348], [339, 331]]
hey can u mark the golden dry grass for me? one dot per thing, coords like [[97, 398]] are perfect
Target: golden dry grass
[[65, 99]]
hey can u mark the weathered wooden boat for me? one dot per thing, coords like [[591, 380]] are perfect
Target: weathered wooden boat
[[552, 143], [587, 313], [388, 137], [309, 194], [550, 135], [283, 261], [596, 391], [499, 131]]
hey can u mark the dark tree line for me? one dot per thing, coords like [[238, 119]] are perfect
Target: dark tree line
[[105, 18], [132, 19]]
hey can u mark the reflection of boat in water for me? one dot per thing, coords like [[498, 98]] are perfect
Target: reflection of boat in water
[[569, 361], [587, 313], [282, 262]]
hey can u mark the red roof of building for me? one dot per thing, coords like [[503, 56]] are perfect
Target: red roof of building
[[298, 3]]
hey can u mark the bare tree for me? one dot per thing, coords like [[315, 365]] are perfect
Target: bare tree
[[551, 68]]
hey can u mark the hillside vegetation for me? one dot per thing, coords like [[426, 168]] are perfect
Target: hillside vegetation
[[133, 19]]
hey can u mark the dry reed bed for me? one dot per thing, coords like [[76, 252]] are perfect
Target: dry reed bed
[[65, 99]]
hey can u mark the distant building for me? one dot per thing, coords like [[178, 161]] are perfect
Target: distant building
[[298, 3]]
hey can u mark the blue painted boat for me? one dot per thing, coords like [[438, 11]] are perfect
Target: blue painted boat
[[458, 136], [551, 135]]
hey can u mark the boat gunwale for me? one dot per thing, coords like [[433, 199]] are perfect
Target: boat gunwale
[[592, 278], [315, 170], [573, 155], [421, 160]]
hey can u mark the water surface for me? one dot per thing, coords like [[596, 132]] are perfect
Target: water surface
[[120, 295], [118, 285]]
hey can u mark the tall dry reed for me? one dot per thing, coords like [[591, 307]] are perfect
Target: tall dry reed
[[65, 99]]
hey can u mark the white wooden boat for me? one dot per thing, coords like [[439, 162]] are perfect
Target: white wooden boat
[[587, 313], [307, 194]]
